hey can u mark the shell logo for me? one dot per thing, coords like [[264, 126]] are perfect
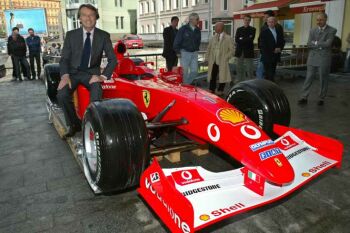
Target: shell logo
[[230, 115], [305, 174], [278, 162], [204, 217]]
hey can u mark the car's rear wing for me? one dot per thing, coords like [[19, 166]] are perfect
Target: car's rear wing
[[190, 198]]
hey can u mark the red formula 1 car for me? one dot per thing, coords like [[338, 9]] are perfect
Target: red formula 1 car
[[141, 108]]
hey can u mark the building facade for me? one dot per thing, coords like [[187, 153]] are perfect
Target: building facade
[[299, 16], [52, 8], [155, 15], [118, 17]]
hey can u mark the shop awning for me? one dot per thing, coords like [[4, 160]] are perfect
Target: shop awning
[[307, 6], [257, 10]]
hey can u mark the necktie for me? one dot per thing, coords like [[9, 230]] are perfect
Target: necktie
[[84, 63]]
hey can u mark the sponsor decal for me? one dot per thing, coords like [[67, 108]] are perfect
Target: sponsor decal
[[305, 174], [278, 162], [155, 177], [269, 153], [250, 132], [230, 115], [182, 225], [286, 143], [201, 189], [260, 145], [298, 152], [253, 176], [319, 167], [109, 87], [261, 118], [214, 136], [204, 217], [186, 177], [146, 95], [228, 210]]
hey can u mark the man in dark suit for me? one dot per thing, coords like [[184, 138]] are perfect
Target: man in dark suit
[[245, 50], [80, 64], [271, 44], [169, 34], [319, 59]]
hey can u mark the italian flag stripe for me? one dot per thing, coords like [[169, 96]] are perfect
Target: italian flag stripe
[[252, 176]]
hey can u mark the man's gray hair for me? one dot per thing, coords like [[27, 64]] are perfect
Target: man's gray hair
[[193, 15], [323, 14]]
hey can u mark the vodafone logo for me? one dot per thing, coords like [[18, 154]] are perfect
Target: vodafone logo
[[250, 132], [186, 177], [286, 143], [213, 132]]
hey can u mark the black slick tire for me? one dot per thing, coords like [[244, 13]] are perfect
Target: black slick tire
[[263, 102]]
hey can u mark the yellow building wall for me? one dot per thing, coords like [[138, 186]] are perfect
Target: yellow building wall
[[346, 26]]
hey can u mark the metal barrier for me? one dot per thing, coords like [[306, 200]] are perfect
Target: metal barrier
[[291, 57]]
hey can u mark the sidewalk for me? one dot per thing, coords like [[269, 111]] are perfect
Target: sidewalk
[[43, 190]]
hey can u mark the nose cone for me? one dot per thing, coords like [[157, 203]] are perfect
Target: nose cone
[[277, 169]]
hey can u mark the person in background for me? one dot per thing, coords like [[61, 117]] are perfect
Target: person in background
[[271, 44], [347, 60], [187, 42], [319, 59], [245, 50], [169, 35], [34, 46], [17, 49], [219, 52]]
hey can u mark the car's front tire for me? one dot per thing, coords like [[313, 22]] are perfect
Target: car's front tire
[[263, 102], [116, 145]]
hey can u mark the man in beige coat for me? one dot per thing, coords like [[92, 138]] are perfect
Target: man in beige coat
[[219, 52]]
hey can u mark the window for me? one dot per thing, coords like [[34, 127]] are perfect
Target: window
[[224, 5], [117, 22], [122, 22], [142, 29], [147, 30], [169, 5], [206, 1], [152, 6], [147, 7], [141, 8], [176, 4], [206, 24], [185, 3], [121, 3], [116, 2], [162, 27], [153, 28], [194, 2], [162, 5]]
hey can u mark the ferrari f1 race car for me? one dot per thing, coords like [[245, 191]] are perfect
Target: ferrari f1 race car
[[145, 114]]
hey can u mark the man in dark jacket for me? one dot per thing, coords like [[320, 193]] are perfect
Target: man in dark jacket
[[169, 34], [34, 46], [271, 44], [187, 42], [245, 50], [17, 49]]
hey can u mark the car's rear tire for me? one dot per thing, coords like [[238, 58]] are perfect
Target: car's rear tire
[[52, 79], [116, 145], [263, 102]]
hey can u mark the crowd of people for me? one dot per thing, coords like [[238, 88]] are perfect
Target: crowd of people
[[32, 46], [185, 43]]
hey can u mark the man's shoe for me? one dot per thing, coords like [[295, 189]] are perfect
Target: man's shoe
[[71, 131], [320, 103], [302, 101]]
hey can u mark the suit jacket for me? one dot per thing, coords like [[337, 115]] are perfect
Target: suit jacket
[[73, 49], [245, 42], [320, 53], [169, 36], [267, 45]]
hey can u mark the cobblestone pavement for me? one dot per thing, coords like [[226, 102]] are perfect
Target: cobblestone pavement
[[43, 190]]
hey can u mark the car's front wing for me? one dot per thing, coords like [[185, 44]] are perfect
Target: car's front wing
[[190, 198]]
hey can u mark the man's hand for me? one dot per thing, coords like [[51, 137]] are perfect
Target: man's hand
[[64, 81], [96, 79], [277, 50]]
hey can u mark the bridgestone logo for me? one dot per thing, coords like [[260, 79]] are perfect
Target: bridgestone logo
[[298, 152], [201, 189]]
